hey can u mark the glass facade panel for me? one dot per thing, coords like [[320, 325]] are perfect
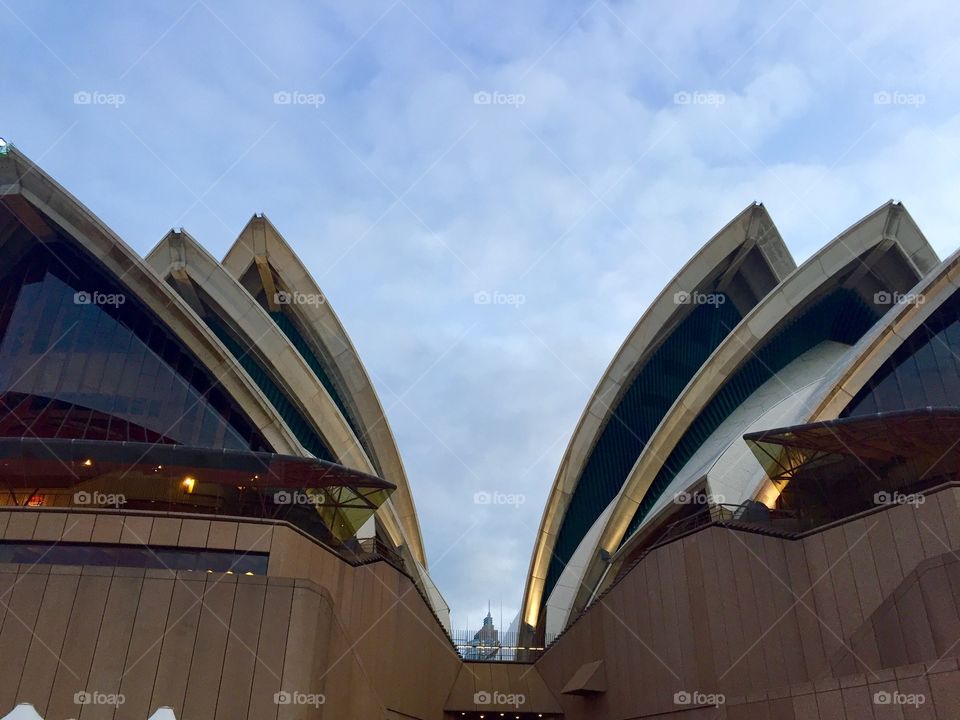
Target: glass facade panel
[[842, 316], [160, 558], [923, 372], [291, 327], [246, 356], [634, 419], [80, 357]]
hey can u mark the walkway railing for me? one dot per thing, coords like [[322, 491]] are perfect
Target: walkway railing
[[504, 647], [754, 516]]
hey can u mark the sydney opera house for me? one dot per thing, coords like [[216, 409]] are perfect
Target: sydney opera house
[[205, 514]]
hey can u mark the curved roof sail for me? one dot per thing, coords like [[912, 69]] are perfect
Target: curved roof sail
[[265, 264], [721, 283]]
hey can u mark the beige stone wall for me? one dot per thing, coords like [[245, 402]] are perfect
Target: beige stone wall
[[208, 645], [214, 645], [853, 697], [742, 614], [792, 629], [848, 698]]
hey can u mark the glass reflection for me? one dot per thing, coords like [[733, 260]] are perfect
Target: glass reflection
[[923, 372], [81, 358]]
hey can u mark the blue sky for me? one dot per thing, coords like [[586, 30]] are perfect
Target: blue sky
[[573, 195]]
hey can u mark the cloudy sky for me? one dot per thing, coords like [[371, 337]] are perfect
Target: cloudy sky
[[561, 159]]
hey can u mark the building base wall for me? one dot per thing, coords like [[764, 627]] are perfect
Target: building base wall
[[740, 615], [213, 644], [765, 627]]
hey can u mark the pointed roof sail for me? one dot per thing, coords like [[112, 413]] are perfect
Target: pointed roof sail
[[260, 347], [39, 213], [264, 263], [735, 269], [837, 294]]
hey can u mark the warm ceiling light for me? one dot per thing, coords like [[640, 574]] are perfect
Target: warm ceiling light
[[88, 462], [188, 483]]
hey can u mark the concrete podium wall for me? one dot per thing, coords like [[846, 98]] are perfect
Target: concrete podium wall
[[785, 629], [214, 645], [747, 616]]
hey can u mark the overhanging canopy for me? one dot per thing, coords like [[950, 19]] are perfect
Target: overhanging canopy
[[53, 472], [930, 433], [833, 468]]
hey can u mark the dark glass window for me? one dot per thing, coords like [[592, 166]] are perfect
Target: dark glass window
[[634, 419], [923, 372], [246, 356], [81, 357], [299, 341], [138, 556], [842, 316]]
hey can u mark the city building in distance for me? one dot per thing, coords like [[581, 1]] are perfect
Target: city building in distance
[[485, 643], [205, 514]]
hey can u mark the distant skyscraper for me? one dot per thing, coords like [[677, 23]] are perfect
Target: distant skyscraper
[[486, 641]]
